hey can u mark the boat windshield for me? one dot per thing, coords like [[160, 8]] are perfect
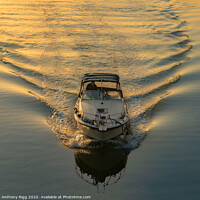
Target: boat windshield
[[104, 95], [91, 94], [110, 95]]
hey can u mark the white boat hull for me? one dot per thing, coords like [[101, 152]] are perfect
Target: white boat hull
[[102, 135]]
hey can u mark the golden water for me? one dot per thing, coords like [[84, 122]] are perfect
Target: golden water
[[47, 46]]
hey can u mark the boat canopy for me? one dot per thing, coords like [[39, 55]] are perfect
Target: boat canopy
[[102, 77]]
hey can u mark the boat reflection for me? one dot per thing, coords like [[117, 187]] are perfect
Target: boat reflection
[[101, 167]]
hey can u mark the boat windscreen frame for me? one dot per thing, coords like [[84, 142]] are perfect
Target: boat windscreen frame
[[100, 77], [118, 88]]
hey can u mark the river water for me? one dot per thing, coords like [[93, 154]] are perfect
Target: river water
[[46, 47]]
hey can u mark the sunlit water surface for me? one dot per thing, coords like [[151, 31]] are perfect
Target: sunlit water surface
[[47, 46]]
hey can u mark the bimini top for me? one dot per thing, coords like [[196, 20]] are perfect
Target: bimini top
[[104, 77]]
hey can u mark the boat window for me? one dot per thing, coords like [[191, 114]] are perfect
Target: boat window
[[109, 95], [91, 94], [98, 94]]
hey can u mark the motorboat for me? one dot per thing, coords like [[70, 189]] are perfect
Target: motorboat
[[101, 111]]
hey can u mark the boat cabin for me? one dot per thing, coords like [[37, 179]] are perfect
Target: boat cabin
[[100, 86]]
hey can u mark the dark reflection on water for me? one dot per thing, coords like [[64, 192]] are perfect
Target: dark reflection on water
[[101, 167]]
